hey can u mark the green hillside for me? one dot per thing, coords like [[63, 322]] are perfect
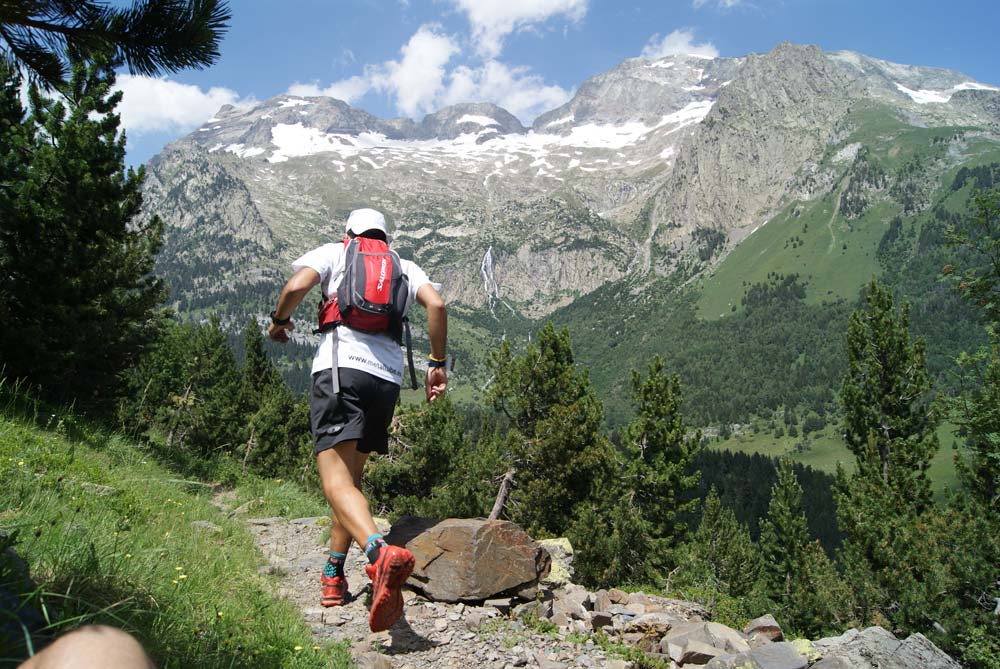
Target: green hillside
[[109, 537], [832, 242], [824, 450]]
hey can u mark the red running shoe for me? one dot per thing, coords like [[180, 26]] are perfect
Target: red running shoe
[[334, 591], [388, 574]]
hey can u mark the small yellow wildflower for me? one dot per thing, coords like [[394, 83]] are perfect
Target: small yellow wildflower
[[166, 534], [275, 480], [178, 568], [316, 648], [298, 648], [182, 576], [218, 613], [174, 581], [128, 555]]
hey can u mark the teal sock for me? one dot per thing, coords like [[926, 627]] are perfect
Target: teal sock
[[373, 546], [334, 565]]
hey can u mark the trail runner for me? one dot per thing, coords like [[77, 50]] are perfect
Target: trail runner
[[356, 378]]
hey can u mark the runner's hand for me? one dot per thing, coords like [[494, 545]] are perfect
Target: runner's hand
[[435, 382], [279, 333]]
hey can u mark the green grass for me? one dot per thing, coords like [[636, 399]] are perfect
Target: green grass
[[829, 270], [108, 536], [825, 449], [263, 498], [836, 256]]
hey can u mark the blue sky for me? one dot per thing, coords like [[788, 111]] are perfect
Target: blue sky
[[410, 57]]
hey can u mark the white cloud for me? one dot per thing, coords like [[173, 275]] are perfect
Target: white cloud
[[420, 81], [679, 42], [523, 94], [158, 104], [417, 79], [721, 4], [349, 90], [492, 20]]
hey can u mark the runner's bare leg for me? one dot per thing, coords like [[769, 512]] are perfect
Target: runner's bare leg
[[340, 470]]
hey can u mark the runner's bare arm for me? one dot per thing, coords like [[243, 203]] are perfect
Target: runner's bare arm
[[437, 330], [293, 293]]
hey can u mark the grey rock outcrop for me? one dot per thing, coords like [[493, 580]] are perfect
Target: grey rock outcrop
[[876, 648], [469, 559], [764, 126]]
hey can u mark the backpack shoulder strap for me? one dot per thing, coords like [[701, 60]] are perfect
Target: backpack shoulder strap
[[339, 269]]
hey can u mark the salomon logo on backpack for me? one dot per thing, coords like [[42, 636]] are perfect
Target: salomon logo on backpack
[[373, 294]]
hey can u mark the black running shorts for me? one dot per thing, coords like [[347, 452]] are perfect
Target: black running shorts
[[362, 411]]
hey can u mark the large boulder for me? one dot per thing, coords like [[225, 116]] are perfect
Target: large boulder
[[763, 629], [469, 559], [876, 648], [775, 655]]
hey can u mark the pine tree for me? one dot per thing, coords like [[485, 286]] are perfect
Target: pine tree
[[720, 553], [150, 37], [799, 576], [16, 145], [889, 424], [883, 507], [78, 298], [784, 536], [259, 373], [649, 517], [977, 408], [557, 448], [427, 444], [659, 453]]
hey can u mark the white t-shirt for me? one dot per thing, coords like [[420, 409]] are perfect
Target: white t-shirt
[[376, 354]]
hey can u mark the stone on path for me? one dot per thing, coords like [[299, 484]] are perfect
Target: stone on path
[[469, 559]]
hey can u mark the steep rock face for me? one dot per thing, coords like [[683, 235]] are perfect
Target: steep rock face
[[765, 125], [641, 90], [533, 256], [197, 193], [982, 103]]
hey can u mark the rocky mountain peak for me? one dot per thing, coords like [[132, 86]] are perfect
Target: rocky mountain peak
[[642, 90], [484, 119]]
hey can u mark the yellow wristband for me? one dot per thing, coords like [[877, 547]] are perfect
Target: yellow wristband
[[433, 359]]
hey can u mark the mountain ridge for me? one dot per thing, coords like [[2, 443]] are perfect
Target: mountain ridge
[[655, 169]]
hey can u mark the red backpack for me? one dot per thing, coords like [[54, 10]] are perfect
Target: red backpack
[[373, 294]]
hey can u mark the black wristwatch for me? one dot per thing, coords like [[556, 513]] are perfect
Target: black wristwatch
[[279, 321]]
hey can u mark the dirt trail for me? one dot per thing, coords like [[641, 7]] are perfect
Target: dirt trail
[[430, 634]]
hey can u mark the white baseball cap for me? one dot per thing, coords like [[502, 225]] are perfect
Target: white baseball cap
[[362, 220]]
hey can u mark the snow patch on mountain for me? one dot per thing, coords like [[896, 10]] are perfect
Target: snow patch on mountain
[[924, 96], [563, 120], [485, 121], [974, 86], [297, 140]]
